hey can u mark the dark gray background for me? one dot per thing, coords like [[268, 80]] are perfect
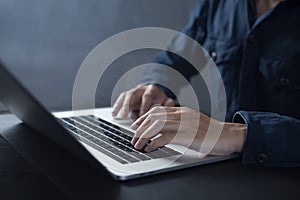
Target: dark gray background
[[45, 41]]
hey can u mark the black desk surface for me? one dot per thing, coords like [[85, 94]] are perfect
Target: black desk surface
[[32, 167]]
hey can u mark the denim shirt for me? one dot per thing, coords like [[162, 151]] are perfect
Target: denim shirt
[[259, 60]]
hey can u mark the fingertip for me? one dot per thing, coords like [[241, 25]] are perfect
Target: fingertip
[[124, 113], [149, 148], [134, 140], [139, 144], [134, 126], [114, 113], [136, 146], [116, 109]]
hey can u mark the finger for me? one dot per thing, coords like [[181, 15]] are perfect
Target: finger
[[161, 141], [118, 104], [147, 100], [155, 110], [127, 104], [150, 119], [157, 127], [147, 119], [169, 102], [134, 140], [150, 132], [138, 122]]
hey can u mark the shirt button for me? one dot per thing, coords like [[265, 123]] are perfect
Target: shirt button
[[251, 38], [284, 81], [262, 158], [213, 55]]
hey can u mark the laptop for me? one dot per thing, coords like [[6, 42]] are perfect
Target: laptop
[[94, 136]]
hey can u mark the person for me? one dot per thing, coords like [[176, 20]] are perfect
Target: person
[[255, 45]]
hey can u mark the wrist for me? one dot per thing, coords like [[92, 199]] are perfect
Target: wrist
[[238, 134]]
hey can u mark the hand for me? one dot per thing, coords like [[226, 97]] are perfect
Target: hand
[[140, 99], [187, 127]]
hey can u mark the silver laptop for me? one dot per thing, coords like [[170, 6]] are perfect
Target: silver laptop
[[95, 137]]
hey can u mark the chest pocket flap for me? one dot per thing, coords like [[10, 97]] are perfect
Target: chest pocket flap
[[281, 74]]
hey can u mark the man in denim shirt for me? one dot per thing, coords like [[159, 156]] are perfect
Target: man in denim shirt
[[256, 47]]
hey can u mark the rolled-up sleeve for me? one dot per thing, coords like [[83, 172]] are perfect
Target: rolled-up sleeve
[[271, 139]]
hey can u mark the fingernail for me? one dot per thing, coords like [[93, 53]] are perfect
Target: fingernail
[[134, 126], [133, 141], [138, 145]]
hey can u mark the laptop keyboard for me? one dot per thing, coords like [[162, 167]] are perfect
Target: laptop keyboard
[[111, 139]]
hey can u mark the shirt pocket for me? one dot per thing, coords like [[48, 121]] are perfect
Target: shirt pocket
[[283, 75], [227, 56], [279, 85], [223, 52]]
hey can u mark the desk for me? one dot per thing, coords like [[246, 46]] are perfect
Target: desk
[[33, 167]]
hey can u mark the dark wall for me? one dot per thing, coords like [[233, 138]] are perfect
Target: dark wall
[[45, 41]]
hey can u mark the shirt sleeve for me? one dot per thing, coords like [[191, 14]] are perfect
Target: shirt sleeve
[[156, 74], [271, 139]]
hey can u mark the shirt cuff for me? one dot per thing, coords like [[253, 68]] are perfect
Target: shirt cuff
[[262, 145]]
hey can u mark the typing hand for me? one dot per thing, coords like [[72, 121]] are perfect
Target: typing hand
[[139, 100], [187, 127]]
